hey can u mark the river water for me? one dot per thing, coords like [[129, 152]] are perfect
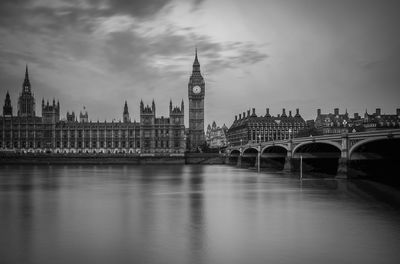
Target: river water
[[188, 214]]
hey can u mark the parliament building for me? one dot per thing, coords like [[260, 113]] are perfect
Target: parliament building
[[26, 132]]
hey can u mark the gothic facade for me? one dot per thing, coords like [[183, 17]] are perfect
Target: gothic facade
[[26, 132], [196, 93]]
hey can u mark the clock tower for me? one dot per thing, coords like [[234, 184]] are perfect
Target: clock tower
[[196, 92]]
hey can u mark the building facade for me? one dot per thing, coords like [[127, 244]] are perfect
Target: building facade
[[26, 132], [216, 136], [251, 128], [334, 123], [196, 93]]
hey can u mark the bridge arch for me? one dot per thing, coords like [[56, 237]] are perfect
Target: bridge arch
[[363, 142], [235, 152], [320, 157], [233, 156], [250, 150], [376, 158], [276, 145], [335, 144], [249, 157], [273, 156]]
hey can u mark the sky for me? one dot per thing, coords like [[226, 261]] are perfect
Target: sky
[[305, 54]]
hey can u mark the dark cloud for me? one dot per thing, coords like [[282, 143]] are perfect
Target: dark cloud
[[136, 8]]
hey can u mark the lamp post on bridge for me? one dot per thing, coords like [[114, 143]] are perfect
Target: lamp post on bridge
[[259, 154]]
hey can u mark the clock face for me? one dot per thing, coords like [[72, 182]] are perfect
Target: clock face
[[196, 89]]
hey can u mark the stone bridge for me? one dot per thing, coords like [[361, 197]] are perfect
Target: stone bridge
[[343, 155]]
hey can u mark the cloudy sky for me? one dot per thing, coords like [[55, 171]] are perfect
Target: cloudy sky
[[305, 54]]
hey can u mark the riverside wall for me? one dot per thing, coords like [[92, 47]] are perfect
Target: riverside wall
[[83, 158]]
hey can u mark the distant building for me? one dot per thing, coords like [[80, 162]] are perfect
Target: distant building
[[251, 128], [335, 123], [216, 136], [341, 123], [378, 120]]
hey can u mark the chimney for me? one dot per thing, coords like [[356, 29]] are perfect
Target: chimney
[[240, 116], [318, 112], [283, 112], [290, 113], [398, 111], [297, 112], [244, 115], [235, 117], [254, 112], [336, 110], [248, 113], [378, 111], [267, 110]]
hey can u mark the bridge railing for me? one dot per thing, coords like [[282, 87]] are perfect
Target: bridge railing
[[365, 134]]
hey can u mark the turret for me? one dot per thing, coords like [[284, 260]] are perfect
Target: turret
[[336, 111], [283, 112], [297, 113], [267, 113], [50, 113], [125, 114], [182, 107], [254, 113], [7, 108]]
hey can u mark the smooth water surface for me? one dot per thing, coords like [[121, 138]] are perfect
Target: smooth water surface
[[188, 214]]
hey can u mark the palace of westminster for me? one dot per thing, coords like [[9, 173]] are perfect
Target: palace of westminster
[[27, 132]]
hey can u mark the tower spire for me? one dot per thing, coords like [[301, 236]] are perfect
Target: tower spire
[[196, 60], [125, 114], [26, 87], [26, 72]]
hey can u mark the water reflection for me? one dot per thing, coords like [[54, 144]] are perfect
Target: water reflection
[[196, 211], [188, 214]]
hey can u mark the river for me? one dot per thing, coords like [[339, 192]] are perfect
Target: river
[[188, 214]]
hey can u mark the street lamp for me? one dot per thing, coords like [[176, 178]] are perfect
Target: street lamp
[[259, 154]]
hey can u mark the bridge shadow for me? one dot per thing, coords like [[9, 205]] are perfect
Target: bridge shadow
[[273, 158], [233, 157], [377, 160], [317, 159], [249, 158]]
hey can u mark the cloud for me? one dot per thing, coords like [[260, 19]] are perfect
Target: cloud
[[100, 53]]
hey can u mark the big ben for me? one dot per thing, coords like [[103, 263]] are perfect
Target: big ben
[[196, 92]]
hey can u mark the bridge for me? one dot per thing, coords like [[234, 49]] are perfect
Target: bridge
[[342, 155]]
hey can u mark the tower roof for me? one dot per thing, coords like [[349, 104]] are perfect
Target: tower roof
[[196, 60], [126, 108], [26, 80]]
